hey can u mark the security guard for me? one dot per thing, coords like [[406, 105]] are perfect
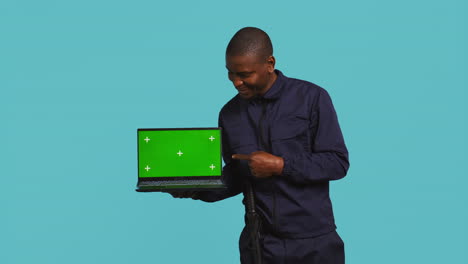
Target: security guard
[[282, 144]]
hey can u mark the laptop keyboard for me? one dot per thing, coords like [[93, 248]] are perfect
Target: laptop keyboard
[[172, 183]]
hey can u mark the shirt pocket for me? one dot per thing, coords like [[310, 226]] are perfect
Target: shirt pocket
[[290, 135]]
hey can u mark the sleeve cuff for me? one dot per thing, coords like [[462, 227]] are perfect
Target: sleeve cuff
[[287, 168]]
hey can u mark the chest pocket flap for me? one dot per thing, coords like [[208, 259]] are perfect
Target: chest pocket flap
[[291, 135], [294, 127]]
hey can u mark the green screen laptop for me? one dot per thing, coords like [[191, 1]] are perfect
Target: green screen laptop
[[179, 159]]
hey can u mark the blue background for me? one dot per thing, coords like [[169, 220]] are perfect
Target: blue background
[[77, 78]]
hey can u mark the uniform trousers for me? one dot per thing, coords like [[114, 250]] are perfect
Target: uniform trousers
[[324, 249]]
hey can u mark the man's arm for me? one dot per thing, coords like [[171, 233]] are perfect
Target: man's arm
[[328, 159]]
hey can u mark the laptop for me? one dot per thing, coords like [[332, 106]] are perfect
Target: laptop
[[179, 159]]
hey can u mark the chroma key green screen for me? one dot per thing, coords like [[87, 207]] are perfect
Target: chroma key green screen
[[179, 153]]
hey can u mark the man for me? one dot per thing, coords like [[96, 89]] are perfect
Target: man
[[282, 141]]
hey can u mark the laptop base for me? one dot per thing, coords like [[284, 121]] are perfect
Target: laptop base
[[180, 188], [180, 185]]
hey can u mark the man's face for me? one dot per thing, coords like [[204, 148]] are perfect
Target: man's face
[[250, 74]]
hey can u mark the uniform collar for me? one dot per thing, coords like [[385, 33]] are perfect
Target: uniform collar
[[275, 90]]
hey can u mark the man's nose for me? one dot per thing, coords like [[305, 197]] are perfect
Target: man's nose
[[237, 81]]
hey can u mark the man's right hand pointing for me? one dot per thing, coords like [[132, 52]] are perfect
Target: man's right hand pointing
[[262, 164]]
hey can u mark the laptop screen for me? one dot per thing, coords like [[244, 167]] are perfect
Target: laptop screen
[[188, 152]]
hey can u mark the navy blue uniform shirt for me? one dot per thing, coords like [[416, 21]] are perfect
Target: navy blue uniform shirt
[[295, 120]]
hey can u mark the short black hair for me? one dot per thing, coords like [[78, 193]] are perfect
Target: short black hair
[[250, 41]]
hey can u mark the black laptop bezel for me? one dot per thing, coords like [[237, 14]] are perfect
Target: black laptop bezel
[[178, 178]]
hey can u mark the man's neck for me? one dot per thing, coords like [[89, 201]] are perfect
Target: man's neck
[[270, 83]]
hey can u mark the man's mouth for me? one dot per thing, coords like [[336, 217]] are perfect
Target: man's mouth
[[243, 91]]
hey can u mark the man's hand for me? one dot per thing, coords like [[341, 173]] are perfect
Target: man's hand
[[262, 164], [184, 194]]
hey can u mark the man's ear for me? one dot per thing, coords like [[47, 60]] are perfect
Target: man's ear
[[271, 64]]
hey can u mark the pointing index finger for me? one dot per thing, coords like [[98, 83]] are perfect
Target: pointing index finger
[[241, 156]]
